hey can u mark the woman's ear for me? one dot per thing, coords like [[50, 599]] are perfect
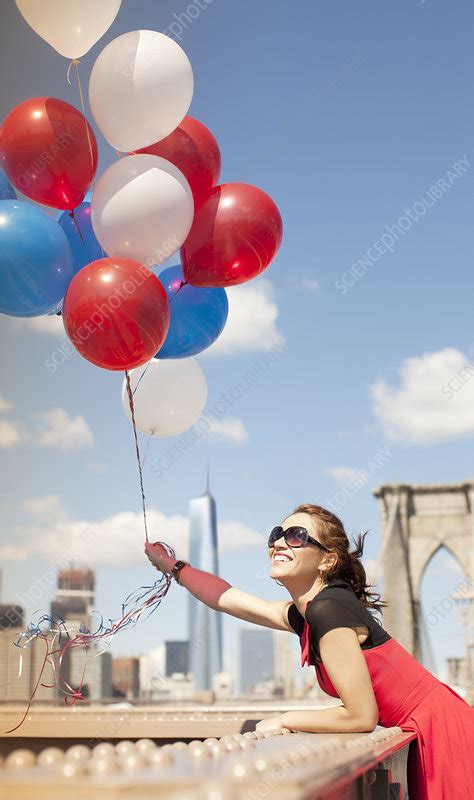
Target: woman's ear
[[328, 563]]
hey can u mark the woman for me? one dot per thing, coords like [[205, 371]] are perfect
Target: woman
[[356, 660]]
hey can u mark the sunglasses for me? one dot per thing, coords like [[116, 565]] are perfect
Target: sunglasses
[[296, 536]]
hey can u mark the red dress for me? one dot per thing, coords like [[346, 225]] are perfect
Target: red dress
[[441, 766]]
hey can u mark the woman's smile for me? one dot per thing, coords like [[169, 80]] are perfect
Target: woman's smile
[[281, 557]]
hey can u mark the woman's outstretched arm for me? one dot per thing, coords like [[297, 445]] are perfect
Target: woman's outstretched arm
[[221, 596]]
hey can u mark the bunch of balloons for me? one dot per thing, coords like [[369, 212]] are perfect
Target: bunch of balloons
[[97, 260]]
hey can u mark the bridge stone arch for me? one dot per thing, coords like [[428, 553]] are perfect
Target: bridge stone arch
[[416, 521], [436, 549]]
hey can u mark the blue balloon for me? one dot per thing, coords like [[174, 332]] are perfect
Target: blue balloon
[[197, 315], [7, 191], [35, 260], [85, 249]]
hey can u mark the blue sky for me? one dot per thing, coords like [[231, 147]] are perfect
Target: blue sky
[[347, 115]]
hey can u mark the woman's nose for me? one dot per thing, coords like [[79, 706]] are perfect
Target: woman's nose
[[281, 543]]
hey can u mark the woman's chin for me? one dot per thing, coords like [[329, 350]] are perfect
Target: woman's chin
[[278, 572]]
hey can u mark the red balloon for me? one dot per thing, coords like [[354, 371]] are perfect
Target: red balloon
[[116, 313], [47, 152], [235, 235], [193, 149]]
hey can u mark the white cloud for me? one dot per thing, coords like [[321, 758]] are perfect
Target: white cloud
[[14, 552], [10, 433], [58, 429], [232, 430], [235, 536], [5, 405], [117, 540], [46, 508], [55, 428], [344, 474], [311, 284], [52, 325], [435, 401], [252, 321]]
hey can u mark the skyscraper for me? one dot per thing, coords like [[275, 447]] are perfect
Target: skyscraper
[[177, 657], [74, 603], [74, 599], [257, 657], [19, 686], [285, 668], [205, 624], [126, 677]]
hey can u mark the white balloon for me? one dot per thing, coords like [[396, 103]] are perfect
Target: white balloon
[[140, 89], [142, 208], [169, 395], [72, 27]]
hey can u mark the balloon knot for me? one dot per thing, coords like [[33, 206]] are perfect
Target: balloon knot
[[74, 62]]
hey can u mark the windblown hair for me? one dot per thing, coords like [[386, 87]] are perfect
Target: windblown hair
[[348, 567]]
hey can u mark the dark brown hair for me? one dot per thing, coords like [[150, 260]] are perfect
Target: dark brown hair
[[348, 566]]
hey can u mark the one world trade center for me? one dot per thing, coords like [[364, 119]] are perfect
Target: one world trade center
[[205, 624]]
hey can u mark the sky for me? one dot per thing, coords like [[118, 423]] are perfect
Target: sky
[[357, 119]]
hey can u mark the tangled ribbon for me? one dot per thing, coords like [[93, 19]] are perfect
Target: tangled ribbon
[[59, 641]]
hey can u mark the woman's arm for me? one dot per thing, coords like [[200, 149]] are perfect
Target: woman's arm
[[221, 596], [347, 670]]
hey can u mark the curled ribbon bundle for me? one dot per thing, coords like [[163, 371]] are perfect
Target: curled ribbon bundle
[[59, 641]]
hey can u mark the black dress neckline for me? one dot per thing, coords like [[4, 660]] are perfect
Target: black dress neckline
[[333, 582]]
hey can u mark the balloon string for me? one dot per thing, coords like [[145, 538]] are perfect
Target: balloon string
[[132, 410], [34, 691], [74, 219], [75, 62], [140, 378], [182, 283], [146, 450], [84, 243]]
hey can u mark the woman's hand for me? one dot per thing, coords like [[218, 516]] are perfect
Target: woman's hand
[[271, 724], [159, 557]]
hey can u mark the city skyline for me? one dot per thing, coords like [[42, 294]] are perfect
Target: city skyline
[[74, 602], [266, 664]]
